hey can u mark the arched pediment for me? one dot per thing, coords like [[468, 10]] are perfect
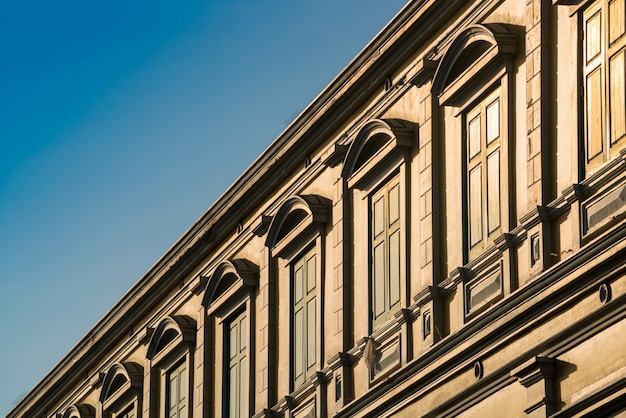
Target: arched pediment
[[226, 275], [180, 328], [296, 211], [80, 411], [121, 375], [477, 44], [377, 139]]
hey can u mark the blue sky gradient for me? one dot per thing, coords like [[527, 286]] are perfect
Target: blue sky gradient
[[121, 122]]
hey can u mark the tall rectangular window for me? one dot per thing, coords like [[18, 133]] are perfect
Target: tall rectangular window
[[483, 132], [604, 49], [177, 391], [128, 414], [237, 377], [304, 277], [385, 252]]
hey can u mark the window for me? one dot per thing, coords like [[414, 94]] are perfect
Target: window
[[120, 395], [229, 304], [128, 414], [604, 46], [385, 251], [304, 317], [177, 383], [237, 345], [296, 240], [377, 175], [483, 133], [170, 353]]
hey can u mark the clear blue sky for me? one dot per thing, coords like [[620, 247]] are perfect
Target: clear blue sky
[[121, 122]]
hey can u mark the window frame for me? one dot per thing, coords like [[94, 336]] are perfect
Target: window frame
[[380, 154], [240, 391], [478, 63], [115, 401], [303, 305], [165, 354], [478, 108], [299, 228], [601, 62], [389, 228], [229, 293]]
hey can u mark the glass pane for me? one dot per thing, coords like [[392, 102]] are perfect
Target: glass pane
[[298, 284], [183, 382], [617, 97], [493, 121], [394, 204], [394, 268], [616, 20], [379, 223], [298, 349], [243, 388], [493, 191], [311, 332], [173, 398], [232, 340], [474, 137], [233, 392], [243, 330], [475, 205], [311, 276], [593, 34], [379, 280], [594, 114]]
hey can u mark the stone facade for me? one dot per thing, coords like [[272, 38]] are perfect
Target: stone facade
[[440, 233]]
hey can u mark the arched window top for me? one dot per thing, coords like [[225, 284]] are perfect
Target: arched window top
[[473, 52], [294, 216], [228, 275], [171, 330], [374, 143], [121, 377], [80, 411]]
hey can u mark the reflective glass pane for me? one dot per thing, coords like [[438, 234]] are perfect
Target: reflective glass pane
[[232, 340], [594, 114], [493, 191], [475, 205], [474, 137], [394, 268], [298, 283], [617, 97], [616, 20], [493, 121], [311, 276], [593, 36], [394, 204], [243, 329], [311, 332], [298, 337], [379, 220], [379, 280], [232, 395]]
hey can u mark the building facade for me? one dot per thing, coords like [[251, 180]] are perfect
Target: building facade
[[440, 233]]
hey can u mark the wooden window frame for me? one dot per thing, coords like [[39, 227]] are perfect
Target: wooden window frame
[[223, 304], [368, 172], [487, 227], [309, 298], [599, 119], [242, 353], [166, 355], [389, 228], [298, 228]]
